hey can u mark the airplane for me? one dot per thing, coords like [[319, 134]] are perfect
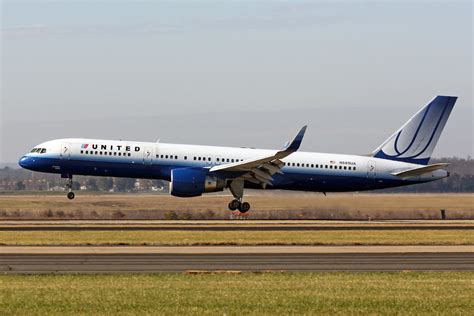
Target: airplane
[[193, 170]]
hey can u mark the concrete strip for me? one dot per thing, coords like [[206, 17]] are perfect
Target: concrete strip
[[231, 249], [235, 222], [284, 262]]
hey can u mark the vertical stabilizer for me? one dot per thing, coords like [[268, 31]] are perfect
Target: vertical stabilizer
[[415, 141]]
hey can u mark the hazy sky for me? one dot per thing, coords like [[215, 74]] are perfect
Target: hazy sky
[[232, 72]]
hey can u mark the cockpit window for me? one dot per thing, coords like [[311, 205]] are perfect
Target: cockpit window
[[38, 150]]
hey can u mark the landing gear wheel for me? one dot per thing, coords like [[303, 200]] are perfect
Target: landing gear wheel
[[244, 207], [70, 195], [233, 205]]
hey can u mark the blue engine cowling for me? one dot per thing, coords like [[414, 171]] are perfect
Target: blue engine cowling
[[189, 182]]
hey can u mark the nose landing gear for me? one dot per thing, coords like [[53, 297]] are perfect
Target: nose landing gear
[[70, 194]]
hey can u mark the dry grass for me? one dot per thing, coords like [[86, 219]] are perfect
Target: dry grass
[[270, 205], [192, 238], [237, 294]]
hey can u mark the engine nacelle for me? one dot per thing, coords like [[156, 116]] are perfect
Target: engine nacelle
[[189, 182]]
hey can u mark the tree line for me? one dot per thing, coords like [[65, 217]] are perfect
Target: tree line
[[461, 179]]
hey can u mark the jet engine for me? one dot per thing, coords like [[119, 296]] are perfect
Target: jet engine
[[189, 182]]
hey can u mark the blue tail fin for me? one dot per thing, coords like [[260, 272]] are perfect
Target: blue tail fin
[[415, 141]]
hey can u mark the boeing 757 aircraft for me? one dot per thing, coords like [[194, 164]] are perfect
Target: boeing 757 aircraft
[[193, 170]]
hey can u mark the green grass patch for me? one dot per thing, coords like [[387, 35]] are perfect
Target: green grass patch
[[189, 238], [219, 294]]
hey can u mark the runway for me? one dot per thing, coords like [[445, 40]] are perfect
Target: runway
[[182, 259], [81, 225]]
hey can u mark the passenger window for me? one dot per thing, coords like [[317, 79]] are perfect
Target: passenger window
[[175, 157], [100, 153], [115, 153], [217, 159], [120, 154], [340, 167], [185, 157], [110, 153], [166, 156], [293, 164], [345, 167], [82, 151], [96, 152], [129, 154], [199, 158], [353, 168], [298, 164], [326, 166]]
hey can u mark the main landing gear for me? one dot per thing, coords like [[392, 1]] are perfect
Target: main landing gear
[[237, 189], [238, 205], [70, 194]]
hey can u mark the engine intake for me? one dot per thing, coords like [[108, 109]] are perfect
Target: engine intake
[[189, 182]]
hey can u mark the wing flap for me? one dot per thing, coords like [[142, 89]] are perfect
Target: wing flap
[[261, 169], [249, 164]]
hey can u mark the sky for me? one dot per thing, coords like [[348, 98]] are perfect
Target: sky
[[232, 73]]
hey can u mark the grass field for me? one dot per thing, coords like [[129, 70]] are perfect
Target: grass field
[[404, 293], [189, 238], [265, 205]]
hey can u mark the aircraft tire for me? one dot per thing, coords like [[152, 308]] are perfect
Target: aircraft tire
[[71, 195], [244, 207], [234, 205]]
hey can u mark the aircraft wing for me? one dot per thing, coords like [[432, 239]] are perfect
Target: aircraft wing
[[261, 169]]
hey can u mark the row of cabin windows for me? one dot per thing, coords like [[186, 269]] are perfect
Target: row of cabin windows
[[38, 150], [223, 160], [104, 153], [196, 158], [170, 157], [293, 164], [289, 164]]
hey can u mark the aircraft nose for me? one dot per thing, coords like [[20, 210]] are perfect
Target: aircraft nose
[[25, 162]]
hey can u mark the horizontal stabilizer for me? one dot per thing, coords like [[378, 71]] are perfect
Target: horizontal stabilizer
[[419, 171]]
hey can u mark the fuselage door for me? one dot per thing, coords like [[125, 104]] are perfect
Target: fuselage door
[[148, 156], [65, 151], [371, 169]]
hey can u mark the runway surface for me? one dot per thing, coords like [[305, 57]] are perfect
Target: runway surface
[[181, 259], [244, 225]]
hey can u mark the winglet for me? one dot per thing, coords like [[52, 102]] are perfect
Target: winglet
[[295, 144]]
